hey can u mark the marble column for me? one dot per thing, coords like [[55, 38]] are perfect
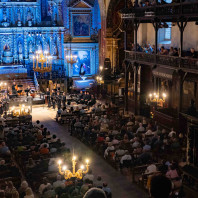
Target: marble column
[[60, 17], [59, 45], [25, 46], [15, 46]]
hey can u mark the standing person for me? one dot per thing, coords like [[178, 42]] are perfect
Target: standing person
[[64, 100], [48, 98], [53, 99], [58, 100], [29, 101]]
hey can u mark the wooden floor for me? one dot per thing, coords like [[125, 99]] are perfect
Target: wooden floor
[[120, 185]]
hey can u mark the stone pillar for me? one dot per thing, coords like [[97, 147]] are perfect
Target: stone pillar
[[15, 46], [25, 46], [135, 89], [112, 51], [59, 45], [60, 17]]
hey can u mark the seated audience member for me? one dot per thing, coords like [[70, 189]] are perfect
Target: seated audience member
[[175, 52], [140, 129], [89, 176], [29, 193], [44, 150], [43, 186], [126, 157], [4, 150], [172, 172], [58, 183], [95, 193], [151, 169], [10, 190], [22, 189], [160, 187], [171, 51], [163, 51], [107, 190], [49, 192], [98, 183], [171, 133], [193, 53]]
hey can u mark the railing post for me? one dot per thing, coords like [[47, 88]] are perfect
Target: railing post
[[126, 86], [135, 86], [136, 26], [155, 25]]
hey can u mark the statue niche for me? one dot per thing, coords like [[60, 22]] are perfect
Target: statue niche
[[7, 54], [29, 17], [19, 24], [20, 51], [39, 46], [5, 21]]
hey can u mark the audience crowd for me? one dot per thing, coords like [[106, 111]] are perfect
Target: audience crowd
[[147, 48], [127, 141]]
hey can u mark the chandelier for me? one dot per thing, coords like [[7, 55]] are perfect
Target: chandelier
[[43, 60], [71, 58], [69, 174]]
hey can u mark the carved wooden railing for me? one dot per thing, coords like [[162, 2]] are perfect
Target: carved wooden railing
[[170, 10], [172, 61]]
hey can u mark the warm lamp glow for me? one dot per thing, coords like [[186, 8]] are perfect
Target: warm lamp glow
[[64, 168], [69, 174], [59, 162]]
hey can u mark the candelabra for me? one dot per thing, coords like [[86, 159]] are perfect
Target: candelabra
[[42, 59], [157, 98], [71, 58], [69, 174], [21, 111]]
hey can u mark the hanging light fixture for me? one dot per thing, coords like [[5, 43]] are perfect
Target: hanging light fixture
[[43, 60], [71, 59]]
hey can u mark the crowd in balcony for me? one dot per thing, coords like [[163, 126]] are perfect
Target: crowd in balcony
[[150, 49], [126, 141]]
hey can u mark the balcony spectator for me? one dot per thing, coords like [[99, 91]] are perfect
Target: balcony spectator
[[193, 53], [163, 51], [175, 52], [171, 51]]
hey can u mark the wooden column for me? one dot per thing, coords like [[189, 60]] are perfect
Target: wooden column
[[135, 88], [181, 26], [156, 27], [126, 86]]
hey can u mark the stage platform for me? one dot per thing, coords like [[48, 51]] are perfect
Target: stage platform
[[24, 100]]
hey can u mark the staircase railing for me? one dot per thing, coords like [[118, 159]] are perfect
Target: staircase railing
[[36, 82]]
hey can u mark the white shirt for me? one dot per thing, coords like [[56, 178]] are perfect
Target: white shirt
[[151, 169], [140, 129], [171, 134], [135, 144], [59, 183], [42, 187], [125, 157], [89, 177]]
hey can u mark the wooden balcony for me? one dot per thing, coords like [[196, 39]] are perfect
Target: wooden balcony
[[166, 12], [185, 63]]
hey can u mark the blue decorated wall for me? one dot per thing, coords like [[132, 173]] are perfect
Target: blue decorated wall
[[27, 26]]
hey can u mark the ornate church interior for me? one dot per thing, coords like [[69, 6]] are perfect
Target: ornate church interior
[[98, 98]]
